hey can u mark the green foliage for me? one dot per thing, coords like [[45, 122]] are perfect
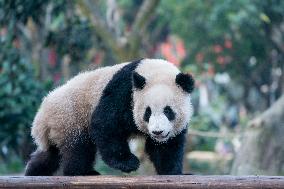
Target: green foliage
[[215, 165], [20, 95], [130, 9], [12, 165], [203, 123], [71, 36], [226, 34], [21, 10]]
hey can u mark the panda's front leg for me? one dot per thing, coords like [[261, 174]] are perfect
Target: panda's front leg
[[116, 154], [167, 157], [114, 149]]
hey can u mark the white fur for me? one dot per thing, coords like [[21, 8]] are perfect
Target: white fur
[[161, 90], [160, 123], [66, 110]]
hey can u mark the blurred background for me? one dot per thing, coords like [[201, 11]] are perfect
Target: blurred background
[[234, 49]]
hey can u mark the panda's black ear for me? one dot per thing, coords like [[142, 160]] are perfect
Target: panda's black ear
[[185, 81], [138, 80]]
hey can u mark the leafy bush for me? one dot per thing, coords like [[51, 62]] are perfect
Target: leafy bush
[[20, 95]]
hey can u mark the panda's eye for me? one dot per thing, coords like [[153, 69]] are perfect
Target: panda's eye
[[169, 113], [147, 114]]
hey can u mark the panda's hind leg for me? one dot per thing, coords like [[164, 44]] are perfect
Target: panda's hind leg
[[78, 156], [43, 163]]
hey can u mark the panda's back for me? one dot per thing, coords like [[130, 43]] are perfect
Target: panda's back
[[66, 111]]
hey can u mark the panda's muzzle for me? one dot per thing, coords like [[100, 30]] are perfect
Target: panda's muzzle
[[158, 134], [159, 127]]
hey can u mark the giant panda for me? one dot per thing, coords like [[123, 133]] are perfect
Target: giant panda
[[101, 110]]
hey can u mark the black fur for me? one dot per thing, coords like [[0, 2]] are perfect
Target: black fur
[[167, 157], [138, 80], [112, 124], [43, 163], [185, 81], [112, 121], [147, 114], [168, 111], [78, 156]]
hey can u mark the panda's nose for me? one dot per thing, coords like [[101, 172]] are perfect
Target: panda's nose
[[157, 132]]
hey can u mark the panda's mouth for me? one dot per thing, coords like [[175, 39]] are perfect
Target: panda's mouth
[[162, 137]]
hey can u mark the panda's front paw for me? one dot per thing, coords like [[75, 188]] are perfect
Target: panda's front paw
[[130, 164]]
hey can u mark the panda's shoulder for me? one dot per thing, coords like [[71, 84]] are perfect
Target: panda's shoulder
[[85, 78]]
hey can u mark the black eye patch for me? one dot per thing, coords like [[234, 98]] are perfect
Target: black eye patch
[[147, 114], [169, 113]]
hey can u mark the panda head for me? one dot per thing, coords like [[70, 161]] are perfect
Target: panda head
[[161, 99]]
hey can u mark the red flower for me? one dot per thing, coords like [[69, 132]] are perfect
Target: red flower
[[173, 50], [221, 60], [199, 57], [228, 44], [217, 48], [52, 57]]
